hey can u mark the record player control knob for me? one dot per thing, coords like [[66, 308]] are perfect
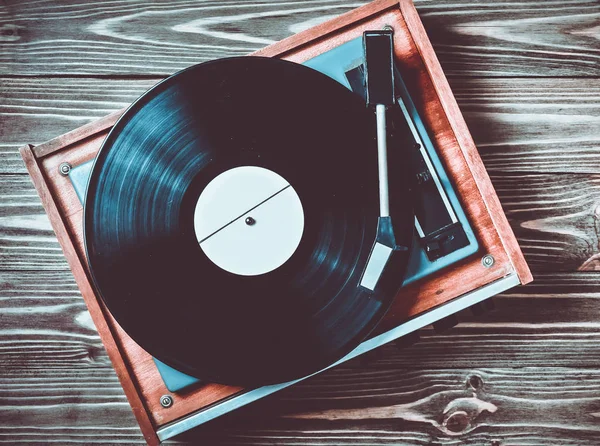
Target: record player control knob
[[250, 221]]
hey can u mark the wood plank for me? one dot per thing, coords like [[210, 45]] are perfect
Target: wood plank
[[26, 237], [533, 125], [394, 406], [519, 125], [37, 110], [512, 376], [555, 219], [472, 37], [62, 337], [49, 299]]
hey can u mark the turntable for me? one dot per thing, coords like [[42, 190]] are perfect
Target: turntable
[[439, 227]]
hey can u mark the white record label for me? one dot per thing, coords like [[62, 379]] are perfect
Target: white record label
[[249, 220]]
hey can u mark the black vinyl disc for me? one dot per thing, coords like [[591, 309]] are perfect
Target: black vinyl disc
[[146, 260]]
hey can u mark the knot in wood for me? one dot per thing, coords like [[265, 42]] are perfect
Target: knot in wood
[[461, 414], [9, 33], [93, 354], [457, 422], [475, 382]]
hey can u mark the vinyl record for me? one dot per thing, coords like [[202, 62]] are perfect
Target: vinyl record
[[250, 322]]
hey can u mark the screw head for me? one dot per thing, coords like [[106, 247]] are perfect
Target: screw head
[[64, 168], [250, 221], [166, 401], [488, 260]]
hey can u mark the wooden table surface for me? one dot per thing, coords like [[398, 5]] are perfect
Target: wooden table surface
[[526, 75]]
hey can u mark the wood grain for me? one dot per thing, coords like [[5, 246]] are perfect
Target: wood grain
[[519, 125], [58, 367], [27, 239], [533, 125], [556, 218], [472, 37]]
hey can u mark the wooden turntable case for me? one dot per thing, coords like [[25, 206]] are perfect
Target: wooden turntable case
[[417, 305]]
